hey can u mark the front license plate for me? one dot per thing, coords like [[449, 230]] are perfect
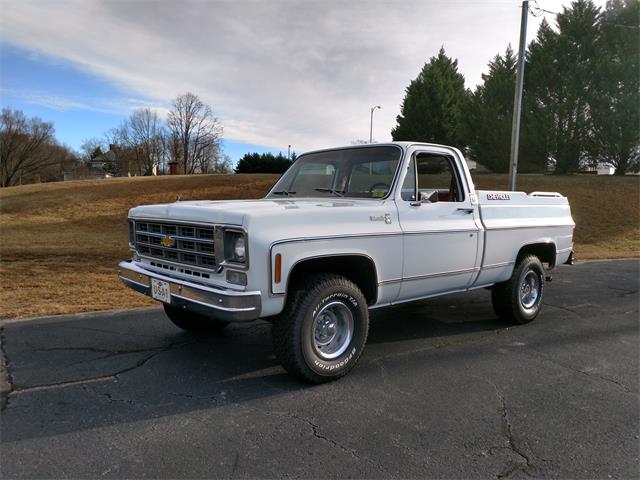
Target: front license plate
[[160, 290]]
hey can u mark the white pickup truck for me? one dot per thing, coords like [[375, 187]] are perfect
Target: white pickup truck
[[344, 231]]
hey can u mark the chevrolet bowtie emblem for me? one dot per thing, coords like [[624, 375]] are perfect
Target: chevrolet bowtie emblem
[[168, 241]]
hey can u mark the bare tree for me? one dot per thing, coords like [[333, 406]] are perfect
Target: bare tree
[[225, 165], [91, 148], [142, 133], [24, 147], [195, 132]]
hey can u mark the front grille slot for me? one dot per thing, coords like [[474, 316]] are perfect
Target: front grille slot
[[189, 245]]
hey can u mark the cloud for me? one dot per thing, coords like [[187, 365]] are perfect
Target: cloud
[[118, 106], [279, 72], [54, 102]]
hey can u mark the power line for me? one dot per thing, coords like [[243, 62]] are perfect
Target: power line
[[539, 11]]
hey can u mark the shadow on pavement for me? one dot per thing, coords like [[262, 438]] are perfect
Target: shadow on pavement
[[109, 369]]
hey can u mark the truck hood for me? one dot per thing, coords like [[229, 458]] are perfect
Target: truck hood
[[241, 212]]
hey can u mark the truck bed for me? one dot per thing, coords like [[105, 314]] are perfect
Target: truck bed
[[512, 220]]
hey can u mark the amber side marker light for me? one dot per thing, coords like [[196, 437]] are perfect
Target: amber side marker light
[[277, 274]]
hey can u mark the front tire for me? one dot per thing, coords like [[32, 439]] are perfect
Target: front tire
[[519, 300], [323, 330], [192, 322]]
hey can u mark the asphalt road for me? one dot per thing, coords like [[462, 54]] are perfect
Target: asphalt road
[[442, 390]]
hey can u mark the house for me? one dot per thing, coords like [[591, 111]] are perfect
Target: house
[[107, 164]]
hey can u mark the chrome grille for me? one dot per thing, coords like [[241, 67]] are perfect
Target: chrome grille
[[192, 244]]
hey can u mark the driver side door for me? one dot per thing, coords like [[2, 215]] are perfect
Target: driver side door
[[440, 235]]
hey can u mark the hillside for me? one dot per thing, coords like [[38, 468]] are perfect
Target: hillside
[[60, 242]]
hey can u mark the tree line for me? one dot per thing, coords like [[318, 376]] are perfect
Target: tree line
[[265, 162], [29, 151], [580, 103], [190, 138]]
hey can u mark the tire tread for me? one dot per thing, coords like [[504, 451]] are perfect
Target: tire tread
[[301, 299], [504, 296]]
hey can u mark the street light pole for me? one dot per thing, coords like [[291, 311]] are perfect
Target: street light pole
[[289, 153], [517, 100], [371, 124]]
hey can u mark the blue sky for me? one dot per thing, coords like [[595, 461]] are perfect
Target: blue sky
[[276, 72], [79, 104]]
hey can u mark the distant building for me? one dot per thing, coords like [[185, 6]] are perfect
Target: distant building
[[605, 169], [107, 164]]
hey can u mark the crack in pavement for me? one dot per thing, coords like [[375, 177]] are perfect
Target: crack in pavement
[[525, 467], [110, 332], [108, 352], [5, 375], [386, 381], [625, 291], [315, 429], [566, 309], [17, 390], [536, 353], [236, 461]]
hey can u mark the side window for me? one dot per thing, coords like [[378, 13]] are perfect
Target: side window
[[437, 177], [408, 192]]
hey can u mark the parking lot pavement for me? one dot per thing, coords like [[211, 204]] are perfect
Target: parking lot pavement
[[442, 390]]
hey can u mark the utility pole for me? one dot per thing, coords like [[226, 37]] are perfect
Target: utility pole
[[517, 99], [371, 123]]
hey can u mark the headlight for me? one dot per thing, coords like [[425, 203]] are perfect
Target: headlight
[[235, 247], [238, 248]]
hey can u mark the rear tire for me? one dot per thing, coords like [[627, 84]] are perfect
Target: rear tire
[[519, 300], [323, 330], [193, 322]]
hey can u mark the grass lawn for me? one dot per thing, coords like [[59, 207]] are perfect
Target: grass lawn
[[60, 242]]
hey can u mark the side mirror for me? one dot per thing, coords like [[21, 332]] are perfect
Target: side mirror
[[430, 198], [425, 198]]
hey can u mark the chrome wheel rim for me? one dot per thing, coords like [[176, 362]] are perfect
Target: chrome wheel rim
[[332, 330], [530, 290]]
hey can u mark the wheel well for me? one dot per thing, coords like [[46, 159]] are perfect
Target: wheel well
[[546, 252], [360, 269]]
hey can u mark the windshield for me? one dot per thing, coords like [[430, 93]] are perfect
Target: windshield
[[353, 172]]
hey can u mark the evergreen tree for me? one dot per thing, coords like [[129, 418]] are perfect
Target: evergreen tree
[[432, 109], [263, 163], [491, 114], [615, 110], [560, 89], [97, 152]]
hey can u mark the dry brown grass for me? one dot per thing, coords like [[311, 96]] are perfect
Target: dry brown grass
[[60, 242]]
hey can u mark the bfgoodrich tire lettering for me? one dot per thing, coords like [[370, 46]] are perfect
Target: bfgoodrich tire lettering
[[307, 336]]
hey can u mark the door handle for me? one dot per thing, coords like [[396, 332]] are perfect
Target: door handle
[[465, 210]]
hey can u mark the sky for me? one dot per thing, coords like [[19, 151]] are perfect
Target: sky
[[303, 73]]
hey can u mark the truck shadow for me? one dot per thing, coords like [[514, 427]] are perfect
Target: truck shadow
[[102, 371]]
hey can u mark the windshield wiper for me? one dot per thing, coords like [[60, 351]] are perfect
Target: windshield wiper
[[330, 190], [283, 192]]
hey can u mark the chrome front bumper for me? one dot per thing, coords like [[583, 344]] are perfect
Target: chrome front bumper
[[227, 305]]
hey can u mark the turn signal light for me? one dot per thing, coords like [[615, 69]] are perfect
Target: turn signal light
[[277, 274]]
